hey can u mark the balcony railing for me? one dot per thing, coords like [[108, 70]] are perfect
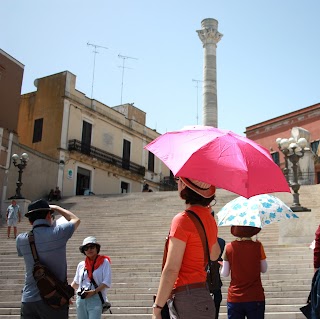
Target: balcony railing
[[168, 184], [75, 145]]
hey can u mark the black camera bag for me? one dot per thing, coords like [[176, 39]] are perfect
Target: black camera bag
[[53, 291]]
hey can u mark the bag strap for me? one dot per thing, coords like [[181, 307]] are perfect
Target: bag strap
[[33, 247], [197, 221], [32, 243], [202, 232], [95, 284]]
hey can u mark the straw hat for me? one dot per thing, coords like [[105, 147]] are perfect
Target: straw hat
[[203, 189]]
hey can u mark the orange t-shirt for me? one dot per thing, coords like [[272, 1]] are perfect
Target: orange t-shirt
[[244, 258], [193, 263]]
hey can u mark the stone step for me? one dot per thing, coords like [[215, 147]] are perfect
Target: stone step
[[135, 246]]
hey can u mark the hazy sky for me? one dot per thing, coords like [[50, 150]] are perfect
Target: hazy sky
[[267, 59]]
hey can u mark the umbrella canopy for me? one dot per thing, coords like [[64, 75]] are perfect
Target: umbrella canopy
[[257, 211], [221, 158]]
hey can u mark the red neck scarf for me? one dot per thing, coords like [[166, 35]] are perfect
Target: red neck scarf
[[96, 263]]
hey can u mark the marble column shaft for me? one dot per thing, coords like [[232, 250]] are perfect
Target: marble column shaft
[[209, 37]]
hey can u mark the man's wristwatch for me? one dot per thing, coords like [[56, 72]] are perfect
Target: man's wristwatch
[[156, 306]]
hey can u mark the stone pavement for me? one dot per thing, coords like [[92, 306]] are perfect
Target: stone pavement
[[131, 229]]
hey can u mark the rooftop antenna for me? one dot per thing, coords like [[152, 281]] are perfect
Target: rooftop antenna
[[94, 61], [123, 57], [197, 86]]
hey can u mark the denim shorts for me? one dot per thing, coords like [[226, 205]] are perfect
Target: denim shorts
[[190, 304], [89, 307]]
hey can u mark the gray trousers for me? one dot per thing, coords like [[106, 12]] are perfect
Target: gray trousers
[[40, 310], [191, 304]]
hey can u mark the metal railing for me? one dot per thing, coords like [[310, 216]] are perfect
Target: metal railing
[[76, 145], [168, 184]]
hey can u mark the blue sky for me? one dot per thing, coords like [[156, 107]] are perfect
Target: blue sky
[[267, 61]]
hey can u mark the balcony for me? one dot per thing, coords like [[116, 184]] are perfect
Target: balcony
[[168, 184], [103, 156]]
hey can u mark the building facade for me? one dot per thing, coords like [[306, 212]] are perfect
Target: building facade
[[284, 126], [11, 75], [91, 147]]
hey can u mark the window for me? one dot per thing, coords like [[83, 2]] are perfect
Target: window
[[124, 187], [86, 138], [275, 157], [37, 131], [314, 146], [126, 154], [151, 162]]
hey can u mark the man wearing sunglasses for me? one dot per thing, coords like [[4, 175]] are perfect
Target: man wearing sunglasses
[[50, 241]]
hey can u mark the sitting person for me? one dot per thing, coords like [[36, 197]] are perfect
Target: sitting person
[[57, 194], [146, 188]]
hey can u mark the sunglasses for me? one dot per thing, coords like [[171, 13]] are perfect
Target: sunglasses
[[85, 248]]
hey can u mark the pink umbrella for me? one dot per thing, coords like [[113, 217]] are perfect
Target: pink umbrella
[[222, 158]]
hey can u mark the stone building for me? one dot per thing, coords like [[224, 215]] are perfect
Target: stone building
[[11, 74], [81, 145], [301, 123]]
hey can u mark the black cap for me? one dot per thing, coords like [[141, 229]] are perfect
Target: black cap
[[37, 206]]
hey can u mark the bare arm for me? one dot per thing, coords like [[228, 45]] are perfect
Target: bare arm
[[70, 217], [74, 285], [263, 265], [215, 251], [225, 270], [170, 273]]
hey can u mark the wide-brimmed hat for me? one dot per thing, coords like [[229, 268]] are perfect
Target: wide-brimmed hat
[[244, 231], [37, 206], [204, 189], [89, 240]]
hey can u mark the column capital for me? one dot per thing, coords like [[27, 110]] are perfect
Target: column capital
[[209, 36]]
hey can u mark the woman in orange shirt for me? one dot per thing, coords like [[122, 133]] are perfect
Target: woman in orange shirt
[[245, 259], [183, 279]]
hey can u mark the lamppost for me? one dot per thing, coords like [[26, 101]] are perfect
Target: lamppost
[[292, 152], [23, 163]]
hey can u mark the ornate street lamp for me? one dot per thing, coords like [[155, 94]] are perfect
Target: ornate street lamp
[[292, 152], [23, 163]]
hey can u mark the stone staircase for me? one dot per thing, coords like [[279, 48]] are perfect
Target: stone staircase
[[132, 228]]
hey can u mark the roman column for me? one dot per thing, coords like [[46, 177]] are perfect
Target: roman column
[[209, 37]]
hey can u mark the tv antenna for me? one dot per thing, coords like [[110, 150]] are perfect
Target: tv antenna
[[94, 61], [124, 58], [197, 86]]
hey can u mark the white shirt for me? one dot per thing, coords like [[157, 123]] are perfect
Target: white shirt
[[100, 275]]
